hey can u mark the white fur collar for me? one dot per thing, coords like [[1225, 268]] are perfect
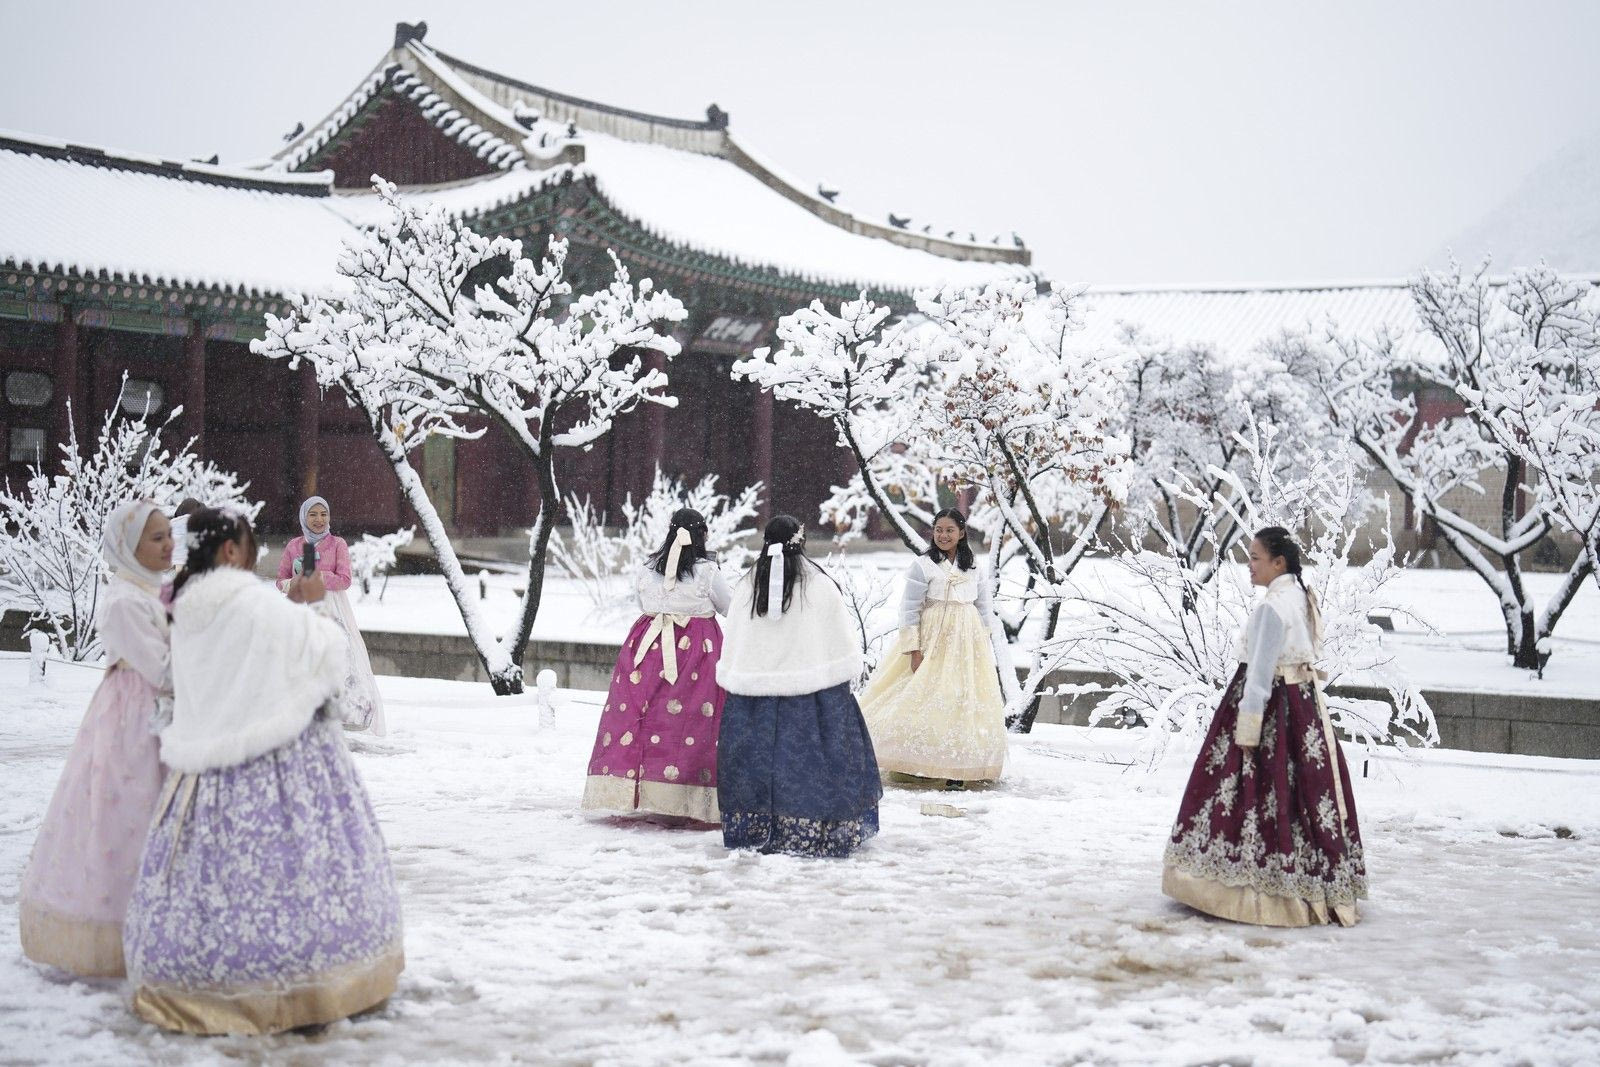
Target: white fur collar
[[249, 670]]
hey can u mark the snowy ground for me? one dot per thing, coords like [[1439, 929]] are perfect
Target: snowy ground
[[1467, 653], [1030, 931]]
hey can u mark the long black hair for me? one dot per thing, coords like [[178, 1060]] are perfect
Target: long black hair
[[1279, 542], [692, 553], [207, 531], [783, 530], [964, 558]]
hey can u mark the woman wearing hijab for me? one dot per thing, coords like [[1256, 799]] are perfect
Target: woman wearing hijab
[[86, 858], [361, 708]]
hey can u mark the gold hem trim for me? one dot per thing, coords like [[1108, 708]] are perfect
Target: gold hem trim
[[255, 1013], [606, 792], [1242, 904], [88, 948]]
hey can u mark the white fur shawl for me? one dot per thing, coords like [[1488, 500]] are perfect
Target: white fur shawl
[[810, 647], [249, 670]]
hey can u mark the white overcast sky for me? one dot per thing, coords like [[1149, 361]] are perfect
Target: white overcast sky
[[1128, 142]]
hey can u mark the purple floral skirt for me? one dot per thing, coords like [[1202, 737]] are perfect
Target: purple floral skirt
[[1268, 834], [656, 747], [265, 900]]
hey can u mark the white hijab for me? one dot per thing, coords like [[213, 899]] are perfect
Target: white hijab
[[305, 510], [120, 538]]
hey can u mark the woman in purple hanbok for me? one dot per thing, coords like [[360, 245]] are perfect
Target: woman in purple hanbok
[[656, 747], [265, 900], [76, 886], [1267, 831]]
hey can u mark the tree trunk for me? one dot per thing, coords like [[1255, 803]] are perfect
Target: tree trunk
[[538, 545], [505, 673]]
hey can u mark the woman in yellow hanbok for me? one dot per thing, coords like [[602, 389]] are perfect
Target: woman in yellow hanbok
[[934, 706]]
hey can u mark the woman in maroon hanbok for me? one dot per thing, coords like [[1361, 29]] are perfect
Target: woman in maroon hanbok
[[1267, 830]]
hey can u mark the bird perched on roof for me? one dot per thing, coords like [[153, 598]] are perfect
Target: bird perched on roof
[[928, 228], [209, 162], [1016, 240], [830, 195], [897, 222], [299, 128]]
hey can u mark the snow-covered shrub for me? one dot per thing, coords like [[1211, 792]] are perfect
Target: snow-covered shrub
[[866, 592], [1523, 358], [445, 329], [599, 559], [1169, 639], [50, 561], [373, 556], [588, 553]]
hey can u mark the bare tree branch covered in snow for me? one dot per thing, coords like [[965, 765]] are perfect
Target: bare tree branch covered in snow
[[50, 560], [866, 592], [1169, 640], [444, 327], [373, 556], [1528, 346], [593, 556]]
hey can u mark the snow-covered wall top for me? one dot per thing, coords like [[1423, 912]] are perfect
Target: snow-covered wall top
[[125, 216], [1237, 320]]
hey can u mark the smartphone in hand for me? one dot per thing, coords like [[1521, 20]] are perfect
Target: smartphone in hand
[[308, 559]]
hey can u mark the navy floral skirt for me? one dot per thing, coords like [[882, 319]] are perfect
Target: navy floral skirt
[[797, 774]]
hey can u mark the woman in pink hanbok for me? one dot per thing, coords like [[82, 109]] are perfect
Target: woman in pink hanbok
[[361, 704], [86, 858], [656, 748], [1266, 832]]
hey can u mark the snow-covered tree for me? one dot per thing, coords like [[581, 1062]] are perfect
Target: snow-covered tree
[[1542, 401], [1489, 345], [373, 556], [982, 389], [865, 375], [1187, 405], [444, 330], [1169, 640], [866, 592], [50, 559]]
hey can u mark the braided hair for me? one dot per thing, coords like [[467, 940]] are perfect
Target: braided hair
[[964, 560], [208, 530]]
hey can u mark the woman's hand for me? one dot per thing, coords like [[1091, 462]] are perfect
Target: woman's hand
[[308, 588], [916, 659]]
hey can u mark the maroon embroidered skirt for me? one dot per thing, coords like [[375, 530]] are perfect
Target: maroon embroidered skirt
[[1261, 836]]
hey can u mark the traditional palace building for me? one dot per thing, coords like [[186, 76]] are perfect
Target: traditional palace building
[[113, 264]]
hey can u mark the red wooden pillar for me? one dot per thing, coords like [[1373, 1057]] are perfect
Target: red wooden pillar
[[194, 387], [305, 451], [655, 432], [761, 451], [68, 396]]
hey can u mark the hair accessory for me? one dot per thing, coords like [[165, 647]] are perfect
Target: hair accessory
[[680, 541], [775, 581], [798, 539]]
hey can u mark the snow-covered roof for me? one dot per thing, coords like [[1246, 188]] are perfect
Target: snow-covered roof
[[1235, 320], [147, 221]]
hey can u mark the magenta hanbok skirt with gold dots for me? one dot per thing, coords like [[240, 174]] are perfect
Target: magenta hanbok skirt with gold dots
[[655, 751]]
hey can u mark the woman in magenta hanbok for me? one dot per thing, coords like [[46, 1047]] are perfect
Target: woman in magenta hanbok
[[656, 748], [76, 887], [1267, 833], [362, 706]]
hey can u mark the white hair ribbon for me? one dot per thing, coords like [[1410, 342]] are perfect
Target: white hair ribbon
[[775, 582], [679, 542]]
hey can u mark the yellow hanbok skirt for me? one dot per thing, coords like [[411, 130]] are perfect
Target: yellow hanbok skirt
[[946, 719]]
